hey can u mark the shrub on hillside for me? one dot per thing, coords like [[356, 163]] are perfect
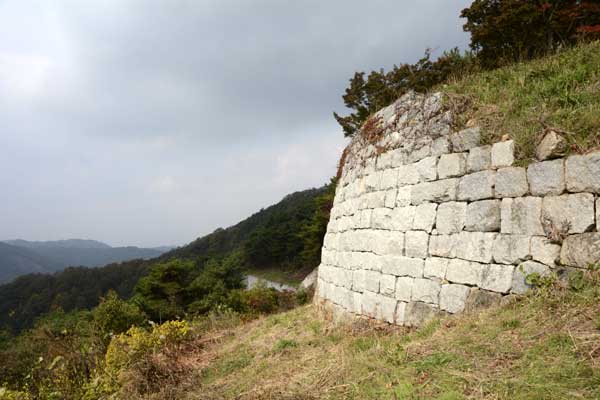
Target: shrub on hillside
[[114, 316], [54, 359], [139, 361]]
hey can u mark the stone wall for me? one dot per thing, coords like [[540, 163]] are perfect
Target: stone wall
[[426, 220]]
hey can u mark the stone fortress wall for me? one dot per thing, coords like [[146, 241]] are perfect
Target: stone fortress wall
[[428, 221]]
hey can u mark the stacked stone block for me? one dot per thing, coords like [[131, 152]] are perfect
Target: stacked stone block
[[427, 221]]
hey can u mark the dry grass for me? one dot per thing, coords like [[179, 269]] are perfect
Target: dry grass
[[543, 346]]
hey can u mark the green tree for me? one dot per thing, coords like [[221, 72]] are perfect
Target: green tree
[[114, 316], [162, 293], [504, 31], [212, 287]]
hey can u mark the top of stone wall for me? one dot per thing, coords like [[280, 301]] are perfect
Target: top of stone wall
[[415, 125]]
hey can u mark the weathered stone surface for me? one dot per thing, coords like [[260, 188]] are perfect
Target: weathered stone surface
[[390, 198], [389, 243], [402, 266], [381, 218], [408, 175], [322, 287], [358, 280], [451, 217], [387, 285], [483, 216], [452, 165], [440, 146], [398, 158], [416, 244], [435, 267], [511, 249], [466, 272], [403, 198], [404, 286], [372, 281], [425, 216], [369, 304], [497, 278], [476, 186], [372, 182], [465, 139], [443, 245], [426, 290], [547, 177], [427, 169], [511, 182], [475, 246], [356, 303], [400, 313], [310, 280], [384, 161], [583, 173], [375, 199], [453, 297], [437, 192], [544, 251], [388, 179], [503, 154], [378, 306], [574, 211], [521, 216], [479, 299], [479, 159], [581, 250], [519, 284], [551, 146], [420, 151], [417, 314], [401, 218]]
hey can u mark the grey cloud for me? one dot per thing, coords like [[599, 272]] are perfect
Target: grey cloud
[[127, 121]]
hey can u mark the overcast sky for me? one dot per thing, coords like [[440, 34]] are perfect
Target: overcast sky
[[156, 122]]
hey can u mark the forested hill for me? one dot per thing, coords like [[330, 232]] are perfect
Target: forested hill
[[30, 296], [289, 232], [268, 237]]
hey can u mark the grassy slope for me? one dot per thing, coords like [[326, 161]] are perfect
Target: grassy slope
[[562, 91], [543, 346]]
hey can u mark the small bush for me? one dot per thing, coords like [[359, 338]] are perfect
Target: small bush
[[114, 316], [260, 300], [139, 361]]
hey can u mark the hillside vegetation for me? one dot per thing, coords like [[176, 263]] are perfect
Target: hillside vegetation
[[525, 100], [542, 346]]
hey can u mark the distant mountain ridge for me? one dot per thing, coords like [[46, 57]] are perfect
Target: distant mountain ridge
[[66, 243], [20, 257]]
